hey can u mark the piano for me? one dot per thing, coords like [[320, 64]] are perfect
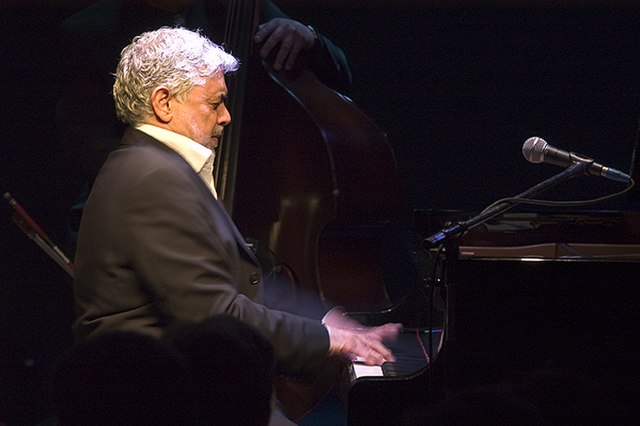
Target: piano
[[524, 292], [413, 348]]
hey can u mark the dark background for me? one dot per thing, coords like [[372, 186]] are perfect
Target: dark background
[[458, 87]]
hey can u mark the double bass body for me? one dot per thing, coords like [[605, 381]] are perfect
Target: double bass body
[[316, 182], [311, 177]]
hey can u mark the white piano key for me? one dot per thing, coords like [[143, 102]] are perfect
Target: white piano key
[[361, 370]]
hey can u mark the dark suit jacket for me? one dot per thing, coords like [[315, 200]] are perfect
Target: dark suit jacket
[[156, 248]]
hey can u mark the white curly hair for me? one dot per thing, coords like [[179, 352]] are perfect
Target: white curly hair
[[176, 58]]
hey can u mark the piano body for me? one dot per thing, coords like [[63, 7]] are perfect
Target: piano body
[[525, 292]]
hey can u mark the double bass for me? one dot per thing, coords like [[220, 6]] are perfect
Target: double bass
[[304, 171], [311, 177]]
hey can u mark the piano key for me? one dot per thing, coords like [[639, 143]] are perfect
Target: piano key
[[411, 350], [361, 370]]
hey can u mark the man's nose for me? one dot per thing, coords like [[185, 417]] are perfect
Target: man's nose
[[225, 117]]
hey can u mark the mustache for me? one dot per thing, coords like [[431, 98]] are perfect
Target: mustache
[[217, 132]]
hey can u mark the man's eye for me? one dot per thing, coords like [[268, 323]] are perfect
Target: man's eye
[[215, 105]]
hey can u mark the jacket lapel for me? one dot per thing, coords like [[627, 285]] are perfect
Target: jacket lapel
[[133, 137]]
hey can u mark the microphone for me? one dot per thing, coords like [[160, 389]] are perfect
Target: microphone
[[537, 150]]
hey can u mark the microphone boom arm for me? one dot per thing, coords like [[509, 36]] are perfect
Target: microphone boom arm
[[456, 230]]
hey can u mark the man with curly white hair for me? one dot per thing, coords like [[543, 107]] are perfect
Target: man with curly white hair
[[156, 248]]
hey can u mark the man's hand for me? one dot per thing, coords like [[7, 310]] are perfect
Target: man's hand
[[348, 337], [365, 343], [292, 36]]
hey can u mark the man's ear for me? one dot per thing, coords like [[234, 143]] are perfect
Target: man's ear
[[160, 101]]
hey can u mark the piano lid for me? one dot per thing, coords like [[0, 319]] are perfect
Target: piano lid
[[541, 227], [555, 251]]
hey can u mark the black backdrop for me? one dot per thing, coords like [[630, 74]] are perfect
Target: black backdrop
[[457, 89], [460, 89]]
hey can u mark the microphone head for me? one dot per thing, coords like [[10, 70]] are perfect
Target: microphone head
[[534, 149]]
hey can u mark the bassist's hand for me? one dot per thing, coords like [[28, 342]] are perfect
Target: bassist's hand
[[292, 36]]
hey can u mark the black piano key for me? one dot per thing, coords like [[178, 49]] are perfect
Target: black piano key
[[411, 350]]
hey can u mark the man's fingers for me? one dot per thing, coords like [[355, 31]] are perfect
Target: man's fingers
[[289, 35], [371, 350], [387, 331], [364, 344]]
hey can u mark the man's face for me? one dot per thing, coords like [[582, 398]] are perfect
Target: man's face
[[203, 114]]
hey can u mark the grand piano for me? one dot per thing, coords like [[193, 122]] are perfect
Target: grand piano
[[524, 292]]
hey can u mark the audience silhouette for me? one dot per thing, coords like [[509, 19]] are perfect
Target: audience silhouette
[[231, 363], [122, 378]]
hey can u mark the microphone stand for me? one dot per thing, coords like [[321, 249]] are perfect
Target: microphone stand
[[448, 238], [456, 230]]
